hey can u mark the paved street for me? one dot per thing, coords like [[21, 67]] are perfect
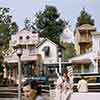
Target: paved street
[[80, 96], [86, 96], [45, 95], [75, 96]]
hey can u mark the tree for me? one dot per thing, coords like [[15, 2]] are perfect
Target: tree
[[49, 24], [7, 27], [84, 18], [69, 51], [29, 25]]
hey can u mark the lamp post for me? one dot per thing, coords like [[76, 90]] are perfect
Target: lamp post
[[59, 58], [19, 54]]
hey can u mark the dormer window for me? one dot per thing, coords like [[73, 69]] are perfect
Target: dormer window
[[20, 38], [46, 50], [27, 37]]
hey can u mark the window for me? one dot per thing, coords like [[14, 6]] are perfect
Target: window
[[20, 37], [27, 37], [46, 50], [32, 50], [77, 68], [51, 70], [86, 68]]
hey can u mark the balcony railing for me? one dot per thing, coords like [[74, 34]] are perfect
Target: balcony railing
[[29, 52], [85, 39], [23, 42]]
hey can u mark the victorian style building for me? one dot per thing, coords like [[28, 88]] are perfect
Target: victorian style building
[[37, 55], [87, 61], [83, 38]]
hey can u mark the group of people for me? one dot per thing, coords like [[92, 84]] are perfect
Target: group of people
[[64, 86], [63, 90]]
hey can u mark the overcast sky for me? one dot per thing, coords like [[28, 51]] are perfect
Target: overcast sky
[[69, 9]]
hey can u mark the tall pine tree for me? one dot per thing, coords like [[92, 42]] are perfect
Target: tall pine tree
[[84, 18], [49, 24]]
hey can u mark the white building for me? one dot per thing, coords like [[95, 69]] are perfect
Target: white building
[[52, 48], [37, 52], [88, 65], [89, 61], [67, 35]]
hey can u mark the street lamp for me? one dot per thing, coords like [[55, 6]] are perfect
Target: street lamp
[[59, 58], [19, 54]]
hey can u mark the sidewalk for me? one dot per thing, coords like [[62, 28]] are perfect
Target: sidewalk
[[80, 96], [86, 96], [75, 96]]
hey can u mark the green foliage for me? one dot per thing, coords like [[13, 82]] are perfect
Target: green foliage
[[29, 25], [84, 18], [69, 51], [7, 27], [48, 23]]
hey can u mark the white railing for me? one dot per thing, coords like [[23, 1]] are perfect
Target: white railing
[[29, 52]]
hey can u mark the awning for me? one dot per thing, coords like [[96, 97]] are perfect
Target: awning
[[14, 58], [82, 61], [85, 58]]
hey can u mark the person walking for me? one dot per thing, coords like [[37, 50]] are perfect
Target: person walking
[[58, 90], [66, 86], [63, 87], [82, 85], [32, 90]]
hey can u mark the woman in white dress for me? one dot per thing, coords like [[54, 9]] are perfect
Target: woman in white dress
[[58, 90], [66, 86], [63, 87]]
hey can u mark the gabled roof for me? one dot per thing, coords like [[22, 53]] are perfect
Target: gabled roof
[[13, 58], [41, 42], [46, 39]]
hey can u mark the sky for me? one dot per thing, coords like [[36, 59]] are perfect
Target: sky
[[69, 9]]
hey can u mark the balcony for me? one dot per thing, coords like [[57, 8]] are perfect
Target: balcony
[[23, 42], [85, 39], [24, 38], [29, 52], [28, 55]]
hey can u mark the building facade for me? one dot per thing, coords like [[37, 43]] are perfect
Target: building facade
[[88, 64], [83, 38], [37, 54]]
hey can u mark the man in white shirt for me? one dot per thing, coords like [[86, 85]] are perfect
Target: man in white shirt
[[82, 85]]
